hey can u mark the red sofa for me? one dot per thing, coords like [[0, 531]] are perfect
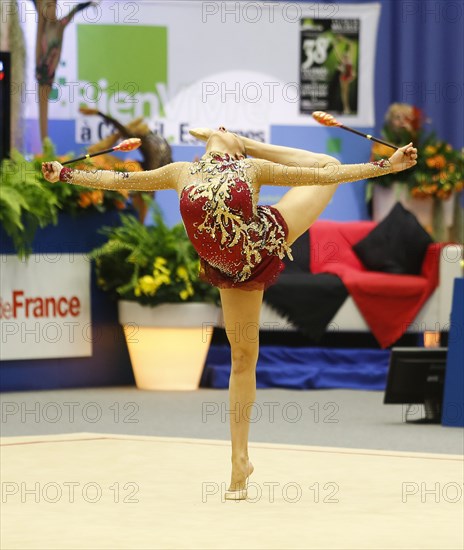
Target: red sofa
[[388, 305], [388, 302]]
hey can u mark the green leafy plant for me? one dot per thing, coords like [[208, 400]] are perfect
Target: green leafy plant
[[26, 201], [151, 264]]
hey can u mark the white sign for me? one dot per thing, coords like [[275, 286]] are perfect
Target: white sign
[[45, 307]]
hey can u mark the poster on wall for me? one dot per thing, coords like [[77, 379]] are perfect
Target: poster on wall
[[329, 67]]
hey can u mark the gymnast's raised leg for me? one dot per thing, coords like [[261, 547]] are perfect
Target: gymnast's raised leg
[[301, 206]]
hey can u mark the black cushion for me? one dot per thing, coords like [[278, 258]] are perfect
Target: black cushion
[[396, 245], [309, 301], [300, 254]]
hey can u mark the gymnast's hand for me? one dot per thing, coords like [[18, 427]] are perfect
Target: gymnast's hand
[[51, 171], [404, 158]]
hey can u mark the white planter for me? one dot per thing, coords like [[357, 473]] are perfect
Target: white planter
[[168, 344], [441, 218], [383, 200]]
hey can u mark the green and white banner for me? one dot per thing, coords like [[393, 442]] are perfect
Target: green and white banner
[[246, 65]]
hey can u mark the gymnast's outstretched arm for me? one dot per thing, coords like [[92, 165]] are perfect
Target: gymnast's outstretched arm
[[269, 173], [166, 177]]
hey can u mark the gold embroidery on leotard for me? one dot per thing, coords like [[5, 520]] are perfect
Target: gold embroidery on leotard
[[220, 174]]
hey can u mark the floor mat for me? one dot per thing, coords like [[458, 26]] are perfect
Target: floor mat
[[93, 491]]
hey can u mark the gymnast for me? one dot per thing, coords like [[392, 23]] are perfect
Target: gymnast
[[240, 244]]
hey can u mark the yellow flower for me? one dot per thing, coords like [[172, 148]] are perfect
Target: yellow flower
[[160, 262], [159, 266], [162, 279], [148, 285], [182, 273], [183, 294]]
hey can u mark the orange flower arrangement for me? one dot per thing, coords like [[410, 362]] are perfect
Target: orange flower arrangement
[[84, 200], [440, 169], [75, 198], [88, 198]]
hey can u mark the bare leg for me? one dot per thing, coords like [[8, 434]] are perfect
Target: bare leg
[[345, 88], [301, 206], [241, 316]]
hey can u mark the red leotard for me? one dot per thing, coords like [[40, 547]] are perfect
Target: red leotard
[[347, 73], [240, 244]]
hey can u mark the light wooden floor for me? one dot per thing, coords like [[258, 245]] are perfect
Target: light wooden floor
[[93, 491]]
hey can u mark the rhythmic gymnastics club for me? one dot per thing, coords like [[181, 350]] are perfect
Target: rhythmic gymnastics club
[[126, 145], [328, 120]]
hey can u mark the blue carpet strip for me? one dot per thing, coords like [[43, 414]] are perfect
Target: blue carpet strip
[[305, 368]]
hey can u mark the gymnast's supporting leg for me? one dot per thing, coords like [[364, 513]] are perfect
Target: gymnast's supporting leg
[[241, 310]]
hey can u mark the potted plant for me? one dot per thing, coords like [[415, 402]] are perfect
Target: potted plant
[[429, 189], [29, 202], [166, 312], [78, 200], [26, 202]]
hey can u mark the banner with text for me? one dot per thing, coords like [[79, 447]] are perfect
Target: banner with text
[[245, 65], [45, 307]]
